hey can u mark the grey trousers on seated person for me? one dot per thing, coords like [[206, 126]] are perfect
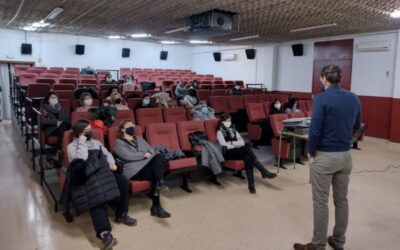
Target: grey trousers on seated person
[[330, 168]]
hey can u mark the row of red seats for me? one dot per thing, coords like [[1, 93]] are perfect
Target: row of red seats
[[171, 135]]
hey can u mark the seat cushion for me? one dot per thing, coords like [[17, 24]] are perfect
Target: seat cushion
[[234, 165], [139, 186], [51, 140], [181, 163], [285, 148]]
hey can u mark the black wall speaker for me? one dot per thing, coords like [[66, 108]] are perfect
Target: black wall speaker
[[26, 49], [126, 52], [297, 49], [251, 54], [164, 55], [217, 56], [79, 49]]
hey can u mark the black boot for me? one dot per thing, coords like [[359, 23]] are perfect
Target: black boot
[[159, 185], [250, 180], [214, 180], [264, 172], [239, 175], [157, 210]]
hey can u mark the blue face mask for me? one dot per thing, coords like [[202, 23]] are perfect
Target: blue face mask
[[146, 102], [204, 110]]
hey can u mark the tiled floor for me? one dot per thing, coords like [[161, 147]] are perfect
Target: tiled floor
[[210, 218]]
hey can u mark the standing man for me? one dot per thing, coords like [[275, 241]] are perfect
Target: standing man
[[335, 117]]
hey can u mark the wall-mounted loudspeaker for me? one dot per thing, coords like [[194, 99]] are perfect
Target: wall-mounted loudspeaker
[[164, 55], [217, 56], [297, 49], [126, 52], [80, 49], [26, 49], [251, 54]]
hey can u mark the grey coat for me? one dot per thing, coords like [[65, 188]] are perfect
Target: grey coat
[[132, 156], [51, 116], [211, 156]]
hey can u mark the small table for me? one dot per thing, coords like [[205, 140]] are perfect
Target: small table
[[294, 136]]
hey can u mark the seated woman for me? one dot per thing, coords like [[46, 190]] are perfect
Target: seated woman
[[192, 90], [141, 163], [237, 149], [112, 90], [236, 90], [180, 90], [145, 102], [276, 107], [116, 102], [202, 112], [83, 147], [128, 84], [86, 102], [54, 118], [163, 100], [108, 79], [291, 106]]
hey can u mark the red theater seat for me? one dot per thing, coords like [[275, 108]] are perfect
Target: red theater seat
[[75, 116], [148, 116], [123, 115], [235, 103], [276, 121], [165, 134], [255, 113], [262, 98], [28, 78], [184, 129], [204, 95], [64, 86], [219, 104], [175, 115], [218, 92], [250, 99], [296, 115]]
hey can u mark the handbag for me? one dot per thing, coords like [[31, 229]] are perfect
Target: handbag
[[196, 138]]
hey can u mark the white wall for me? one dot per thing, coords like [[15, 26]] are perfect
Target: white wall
[[259, 70], [101, 53], [372, 73]]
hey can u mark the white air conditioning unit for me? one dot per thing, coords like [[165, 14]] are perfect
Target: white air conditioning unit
[[373, 46], [229, 57]]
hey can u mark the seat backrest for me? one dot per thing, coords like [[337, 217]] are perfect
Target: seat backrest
[[71, 81], [65, 75], [28, 78], [38, 90], [48, 75], [148, 116], [84, 76], [308, 113], [255, 112], [276, 121], [235, 103], [50, 81], [88, 81], [133, 103], [76, 103], [262, 98], [302, 105], [125, 115], [296, 115], [219, 104], [75, 116], [184, 129], [309, 105], [113, 135], [175, 115], [249, 99], [218, 82], [218, 87], [211, 127], [218, 92], [162, 134], [63, 86], [68, 137], [133, 94], [267, 108], [106, 87], [65, 94], [204, 95]]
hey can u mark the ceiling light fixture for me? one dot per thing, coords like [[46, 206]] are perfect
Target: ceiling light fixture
[[186, 28], [115, 37], [244, 38], [314, 27], [200, 42], [54, 13], [40, 24], [142, 35], [169, 42], [29, 28], [395, 14]]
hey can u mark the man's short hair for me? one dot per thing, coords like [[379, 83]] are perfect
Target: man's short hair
[[332, 73]]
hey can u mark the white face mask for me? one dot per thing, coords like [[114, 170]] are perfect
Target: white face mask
[[88, 102], [53, 101], [295, 106], [237, 87], [277, 105], [227, 124], [129, 81]]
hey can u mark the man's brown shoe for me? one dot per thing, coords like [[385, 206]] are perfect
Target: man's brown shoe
[[332, 244], [308, 246]]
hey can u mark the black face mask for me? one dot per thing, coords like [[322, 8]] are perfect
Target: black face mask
[[130, 131], [88, 135], [118, 101]]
